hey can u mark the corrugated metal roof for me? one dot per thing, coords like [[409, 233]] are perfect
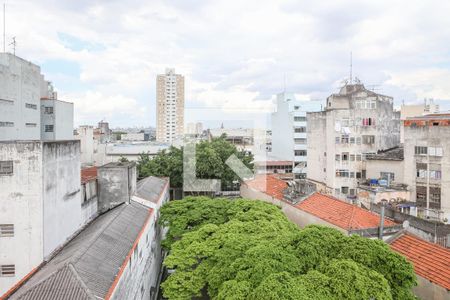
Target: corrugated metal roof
[[150, 188], [95, 256]]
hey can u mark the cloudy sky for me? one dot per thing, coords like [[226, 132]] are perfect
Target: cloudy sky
[[235, 55]]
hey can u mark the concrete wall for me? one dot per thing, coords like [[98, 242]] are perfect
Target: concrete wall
[[61, 190], [89, 206], [428, 290], [21, 205], [19, 85], [61, 119], [375, 167], [117, 183]]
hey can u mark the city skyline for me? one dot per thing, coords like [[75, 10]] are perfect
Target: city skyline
[[227, 60]]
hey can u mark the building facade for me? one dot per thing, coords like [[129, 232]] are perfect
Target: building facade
[[355, 124], [427, 164], [20, 94], [56, 120], [417, 110], [289, 126], [40, 205], [169, 106]]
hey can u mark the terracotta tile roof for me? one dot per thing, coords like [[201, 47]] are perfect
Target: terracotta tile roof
[[268, 184], [430, 261], [340, 213], [88, 174]]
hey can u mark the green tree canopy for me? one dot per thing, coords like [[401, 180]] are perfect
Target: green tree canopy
[[244, 249], [210, 162]]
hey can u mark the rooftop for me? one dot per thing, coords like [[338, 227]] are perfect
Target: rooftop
[[151, 188], [88, 174], [88, 265], [396, 153], [430, 261], [269, 184], [118, 164], [340, 213]]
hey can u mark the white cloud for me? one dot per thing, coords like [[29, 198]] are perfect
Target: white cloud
[[236, 54]]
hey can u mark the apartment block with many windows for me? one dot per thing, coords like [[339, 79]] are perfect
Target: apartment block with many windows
[[355, 124], [169, 106], [427, 164]]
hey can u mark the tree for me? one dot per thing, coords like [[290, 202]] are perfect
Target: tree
[[210, 163], [244, 249]]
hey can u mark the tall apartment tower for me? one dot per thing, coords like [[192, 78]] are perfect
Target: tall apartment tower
[[289, 131], [169, 106], [355, 124]]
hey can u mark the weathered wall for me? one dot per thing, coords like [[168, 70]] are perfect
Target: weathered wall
[[61, 119], [62, 196], [428, 290], [21, 205], [375, 167]]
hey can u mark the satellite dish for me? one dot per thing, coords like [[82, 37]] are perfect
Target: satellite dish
[[405, 224]]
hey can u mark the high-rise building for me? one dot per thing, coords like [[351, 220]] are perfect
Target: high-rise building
[[355, 124], [169, 106], [289, 131]]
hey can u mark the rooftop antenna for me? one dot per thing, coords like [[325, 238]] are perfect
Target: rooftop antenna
[[351, 68], [4, 27], [13, 44]]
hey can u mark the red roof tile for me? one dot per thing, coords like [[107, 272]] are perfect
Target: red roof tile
[[430, 261], [88, 174], [268, 184], [340, 213]]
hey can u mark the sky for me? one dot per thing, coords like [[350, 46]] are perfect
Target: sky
[[104, 55]]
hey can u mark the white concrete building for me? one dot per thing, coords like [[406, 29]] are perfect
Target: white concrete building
[[417, 110], [169, 106], [40, 204], [427, 164], [355, 123], [20, 94], [56, 120], [289, 126], [194, 128]]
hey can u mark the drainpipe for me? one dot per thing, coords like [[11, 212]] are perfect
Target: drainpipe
[[380, 233]]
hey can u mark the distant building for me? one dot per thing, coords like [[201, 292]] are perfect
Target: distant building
[[40, 203], [355, 124], [289, 126], [194, 128], [417, 110], [427, 164], [56, 120], [135, 137], [20, 95], [169, 106]]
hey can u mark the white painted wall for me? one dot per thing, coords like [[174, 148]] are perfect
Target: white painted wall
[[61, 119], [21, 205], [20, 83]]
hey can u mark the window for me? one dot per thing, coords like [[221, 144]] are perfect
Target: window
[[48, 110], [6, 167], [368, 139], [296, 107], [342, 173], [435, 197], [352, 192], [6, 230], [421, 195], [345, 156], [418, 150], [300, 141], [7, 270], [358, 175], [435, 175], [352, 174], [300, 119], [6, 124], [344, 190], [358, 157], [421, 170], [299, 129], [387, 176], [30, 124], [48, 128], [352, 140], [338, 139], [344, 139], [31, 106], [368, 121], [300, 152], [352, 157], [338, 157], [358, 140], [435, 151]]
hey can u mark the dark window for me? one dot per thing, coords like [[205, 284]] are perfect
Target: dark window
[[6, 230], [7, 270], [300, 152], [300, 129], [300, 119], [418, 150], [6, 167], [48, 128], [31, 106]]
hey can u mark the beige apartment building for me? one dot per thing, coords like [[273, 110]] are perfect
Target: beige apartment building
[[169, 106], [355, 124]]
